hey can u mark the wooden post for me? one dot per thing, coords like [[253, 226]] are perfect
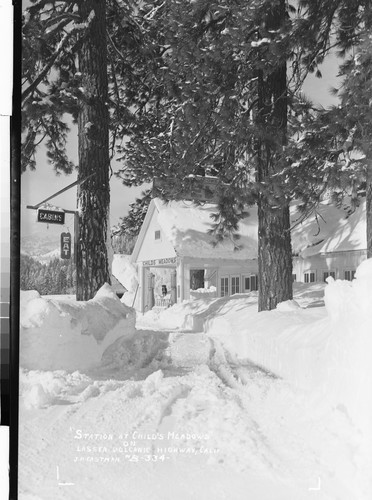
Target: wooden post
[[180, 280], [141, 282], [174, 287], [76, 238]]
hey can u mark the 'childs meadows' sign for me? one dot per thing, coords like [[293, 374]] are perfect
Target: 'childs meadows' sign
[[160, 262]]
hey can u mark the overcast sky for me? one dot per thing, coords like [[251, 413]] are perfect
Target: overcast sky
[[39, 184]]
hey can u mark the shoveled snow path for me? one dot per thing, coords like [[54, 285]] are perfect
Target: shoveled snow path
[[256, 431]]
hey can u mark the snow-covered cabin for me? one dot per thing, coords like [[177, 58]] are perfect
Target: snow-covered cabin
[[331, 243], [175, 241]]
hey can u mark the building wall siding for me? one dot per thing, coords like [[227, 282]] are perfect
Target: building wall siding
[[155, 249], [338, 262]]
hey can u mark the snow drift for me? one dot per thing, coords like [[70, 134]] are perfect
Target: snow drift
[[296, 426], [349, 346], [327, 351], [125, 272], [62, 334]]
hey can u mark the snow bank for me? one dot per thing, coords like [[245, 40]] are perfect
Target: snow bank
[[40, 389], [178, 316], [200, 293], [58, 334], [325, 351], [191, 314], [349, 347], [288, 341], [201, 383], [125, 272]]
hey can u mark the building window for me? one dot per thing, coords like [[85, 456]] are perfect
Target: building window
[[254, 282], [247, 284], [157, 235], [326, 274], [235, 284], [349, 275], [224, 287], [309, 277], [294, 278]]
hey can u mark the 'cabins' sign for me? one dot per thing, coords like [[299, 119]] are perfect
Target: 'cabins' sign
[[50, 216]]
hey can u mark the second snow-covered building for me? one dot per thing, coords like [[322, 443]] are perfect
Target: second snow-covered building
[[175, 248]]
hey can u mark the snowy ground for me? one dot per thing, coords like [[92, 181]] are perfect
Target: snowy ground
[[207, 400]]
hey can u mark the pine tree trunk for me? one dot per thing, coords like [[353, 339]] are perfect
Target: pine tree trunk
[[369, 208], [368, 23], [274, 256], [93, 124], [274, 239]]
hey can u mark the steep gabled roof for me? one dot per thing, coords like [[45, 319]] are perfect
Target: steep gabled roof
[[144, 227], [186, 226]]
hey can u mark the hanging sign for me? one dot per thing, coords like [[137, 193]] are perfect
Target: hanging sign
[[50, 216], [65, 246]]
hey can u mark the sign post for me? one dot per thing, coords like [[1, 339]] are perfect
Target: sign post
[[58, 217]]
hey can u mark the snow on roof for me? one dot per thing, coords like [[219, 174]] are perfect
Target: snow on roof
[[332, 231], [186, 226]]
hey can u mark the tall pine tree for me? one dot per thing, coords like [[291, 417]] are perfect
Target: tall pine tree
[[92, 266], [217, 105], [67, 71], [274, 238]]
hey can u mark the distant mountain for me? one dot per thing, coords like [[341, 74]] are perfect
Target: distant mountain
[[40, 244], [47, 257]]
